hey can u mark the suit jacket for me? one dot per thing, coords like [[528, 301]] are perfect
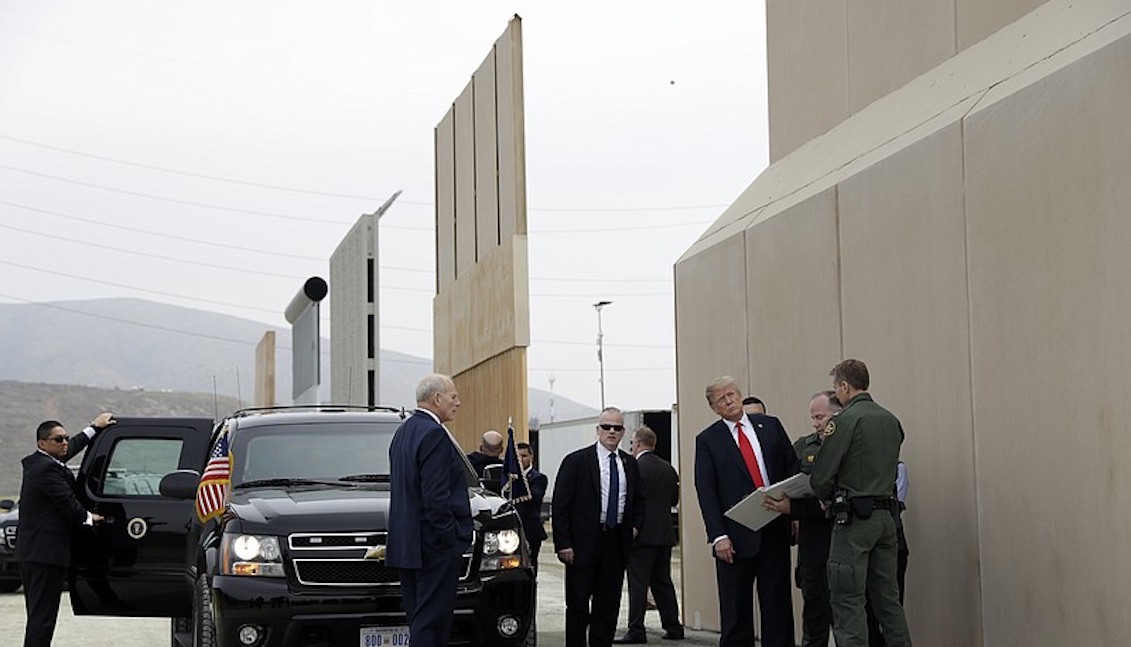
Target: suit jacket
[[531, 511], [659, 485], [429, 508], [49, 511], [577, 504], [722, 479]]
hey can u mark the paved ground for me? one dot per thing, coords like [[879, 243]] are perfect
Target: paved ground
[[147, 632]]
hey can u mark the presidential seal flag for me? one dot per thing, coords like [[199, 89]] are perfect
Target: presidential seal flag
[[213, 488], [515, 485]]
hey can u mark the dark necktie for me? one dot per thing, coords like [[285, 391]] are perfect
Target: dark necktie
[[614, 493], [747, 451]]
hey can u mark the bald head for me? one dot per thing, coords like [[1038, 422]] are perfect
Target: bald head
[[492, 443]]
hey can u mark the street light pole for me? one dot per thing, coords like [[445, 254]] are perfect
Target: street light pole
[[600, 349]]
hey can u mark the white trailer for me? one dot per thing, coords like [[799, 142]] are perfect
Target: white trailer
[[556, 439]]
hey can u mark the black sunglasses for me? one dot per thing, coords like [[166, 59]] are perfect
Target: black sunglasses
[[608, 427], [58, 439]]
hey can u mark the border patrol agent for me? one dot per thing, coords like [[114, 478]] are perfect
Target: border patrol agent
[[855, 469]]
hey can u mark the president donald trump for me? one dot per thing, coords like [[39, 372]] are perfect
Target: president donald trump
[[737, 454]]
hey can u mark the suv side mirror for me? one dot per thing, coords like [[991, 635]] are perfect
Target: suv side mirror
[[180, 484], [7, 504]]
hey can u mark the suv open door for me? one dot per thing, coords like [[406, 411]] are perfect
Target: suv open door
[[133, 563]]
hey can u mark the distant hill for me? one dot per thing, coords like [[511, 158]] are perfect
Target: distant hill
[[133, 343], [23, 406]]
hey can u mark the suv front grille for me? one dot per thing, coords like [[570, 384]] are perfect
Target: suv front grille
[[338, 559], [345, 572], [10, 536]]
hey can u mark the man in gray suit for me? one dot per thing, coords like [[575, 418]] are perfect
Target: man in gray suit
[[649, 562]]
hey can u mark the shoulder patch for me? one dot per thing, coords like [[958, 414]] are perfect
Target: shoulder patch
[[830, 428]]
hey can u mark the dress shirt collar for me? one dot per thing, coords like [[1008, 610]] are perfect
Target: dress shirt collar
[[57, 461]]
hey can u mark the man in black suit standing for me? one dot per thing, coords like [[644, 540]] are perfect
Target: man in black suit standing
[[650, 562], [429, 512], [597, 511], [490, 452], [734, 456], [49, 515], [530, 510]]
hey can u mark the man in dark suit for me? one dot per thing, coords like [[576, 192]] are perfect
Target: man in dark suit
[[530, 510], [49, 515], [429, 512], [649, 563], [490, 452], [733, 457], [598, 510]]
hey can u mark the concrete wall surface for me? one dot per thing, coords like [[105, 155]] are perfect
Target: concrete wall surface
[[481, 312], [828, 59], [965, 236]]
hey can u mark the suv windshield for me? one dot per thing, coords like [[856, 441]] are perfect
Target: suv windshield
[[298, 454]]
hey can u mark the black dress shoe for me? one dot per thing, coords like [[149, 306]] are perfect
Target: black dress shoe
[[630, 639], [671, 635]]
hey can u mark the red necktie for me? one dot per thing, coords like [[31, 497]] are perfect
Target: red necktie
[[747, 450]]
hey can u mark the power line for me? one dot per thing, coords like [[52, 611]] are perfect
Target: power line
[[137, 230], [291, 189], [121, 250]]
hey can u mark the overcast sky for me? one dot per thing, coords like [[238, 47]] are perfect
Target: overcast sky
[[213, 154]]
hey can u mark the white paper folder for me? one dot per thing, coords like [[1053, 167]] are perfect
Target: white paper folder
[[750, 512]]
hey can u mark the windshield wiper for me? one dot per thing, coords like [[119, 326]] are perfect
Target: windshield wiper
[[275, 482], [366, 478]]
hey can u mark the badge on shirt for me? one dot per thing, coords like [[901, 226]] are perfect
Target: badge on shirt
[[830, 428]]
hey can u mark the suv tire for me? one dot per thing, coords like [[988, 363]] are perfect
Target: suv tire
[[203, 624]]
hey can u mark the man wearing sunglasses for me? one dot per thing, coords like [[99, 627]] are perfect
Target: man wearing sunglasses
[[598, 511], [49, 515]]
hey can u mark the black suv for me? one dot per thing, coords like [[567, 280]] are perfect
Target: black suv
[[297, 555], [9, 567]]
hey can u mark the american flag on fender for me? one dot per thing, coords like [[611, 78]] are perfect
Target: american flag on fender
[[213, 488], [515, 485]]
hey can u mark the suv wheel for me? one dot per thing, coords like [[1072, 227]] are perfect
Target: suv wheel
[[203, 625]]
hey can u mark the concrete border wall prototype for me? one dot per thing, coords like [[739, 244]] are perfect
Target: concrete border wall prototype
[[966, 235], [481, 311]]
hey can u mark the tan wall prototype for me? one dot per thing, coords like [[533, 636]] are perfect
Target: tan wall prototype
[[828, 59], [966, 236], [494, 380], [481, 311], [265, 370]]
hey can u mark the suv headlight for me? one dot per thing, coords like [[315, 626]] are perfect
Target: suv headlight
[[251, 555], [501, 550]]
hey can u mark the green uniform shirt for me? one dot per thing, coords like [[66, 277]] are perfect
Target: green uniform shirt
[[860, 451], [807, 448]]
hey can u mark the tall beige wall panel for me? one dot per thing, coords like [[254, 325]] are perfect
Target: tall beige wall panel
[[486, 159], [903, 277], [978, 221], [828, 59], [1048, 201], [466, 228], [481, 311], [445, 203], [977, 19], [793, 274], [807, 70], [711, 340], [511, 129]]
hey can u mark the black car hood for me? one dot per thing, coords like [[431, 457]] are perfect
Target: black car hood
[[281, 511]]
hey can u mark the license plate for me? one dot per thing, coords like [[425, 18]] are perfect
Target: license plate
[[384, 637]]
